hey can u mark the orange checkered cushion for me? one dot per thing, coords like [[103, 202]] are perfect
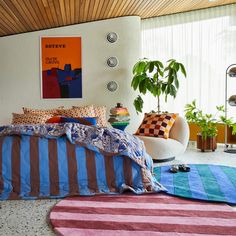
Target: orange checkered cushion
[[18, 119], [156, 125]]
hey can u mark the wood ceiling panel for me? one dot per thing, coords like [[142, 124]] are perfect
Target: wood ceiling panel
[[40, 9], [13, 7], [10, 20], [77, 11], [67, 7], [31, 13], [23, 9], [18, 16], [86, 10], [104, 14], [114, 4], [63, 11], [130, 7], [36, 13], [5, 28], [104, 8], [48, 15], [97, 13], [72, 11], [52, 10], [58, 12]]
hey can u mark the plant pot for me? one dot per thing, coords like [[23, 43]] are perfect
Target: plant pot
[[206, 144]]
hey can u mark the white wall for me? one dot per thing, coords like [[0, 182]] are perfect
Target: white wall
[[20, 67]]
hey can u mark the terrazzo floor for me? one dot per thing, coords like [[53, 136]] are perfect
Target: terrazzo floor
[[29, 218]]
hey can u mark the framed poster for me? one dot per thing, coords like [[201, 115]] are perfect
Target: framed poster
[[61, 67]]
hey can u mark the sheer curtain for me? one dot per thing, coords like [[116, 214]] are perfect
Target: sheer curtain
[[205, 42]]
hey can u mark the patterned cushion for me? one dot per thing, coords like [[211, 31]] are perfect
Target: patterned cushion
[[100, 113], [29, 118], [53, 111], [86, 111], [156, 125]]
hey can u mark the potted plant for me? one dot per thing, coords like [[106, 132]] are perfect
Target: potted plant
[[206, 139], [153, 77]]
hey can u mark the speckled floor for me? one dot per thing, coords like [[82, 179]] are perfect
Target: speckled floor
[[30, 218], [25, 218]]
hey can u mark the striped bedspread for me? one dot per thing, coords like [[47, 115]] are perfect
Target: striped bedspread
[[38, 167]]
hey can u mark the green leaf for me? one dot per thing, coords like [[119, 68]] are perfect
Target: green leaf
[[156, 91], [170, 74], [220, 108], [149, 85], [176, 66], [167, 91], [163, 87], [161, 73], [141, 67], [135, 67], [171, 60], [136, 80], [173, 90], [176, 81], [182, 68], [151, 67], [147, 63], [166, 69], [170, 79], [138, 104], [155, 77], [159, 63], [142, 87]]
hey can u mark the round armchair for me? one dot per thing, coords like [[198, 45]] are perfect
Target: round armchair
[[161, 149]]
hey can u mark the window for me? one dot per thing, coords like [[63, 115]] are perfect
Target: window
[[205, 42]]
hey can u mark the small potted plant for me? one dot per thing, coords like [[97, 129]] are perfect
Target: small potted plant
[[206, 139], [155, 78]]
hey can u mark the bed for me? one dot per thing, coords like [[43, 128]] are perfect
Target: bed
[[59, 160]]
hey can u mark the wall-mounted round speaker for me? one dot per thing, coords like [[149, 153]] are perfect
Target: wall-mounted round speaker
[[112, 61], [112, 37], [112, 86]]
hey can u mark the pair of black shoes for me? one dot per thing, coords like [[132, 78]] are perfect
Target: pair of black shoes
[[181, 168]]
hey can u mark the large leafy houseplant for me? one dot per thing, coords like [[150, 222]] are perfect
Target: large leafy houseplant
[[207, 122], [153, 77]]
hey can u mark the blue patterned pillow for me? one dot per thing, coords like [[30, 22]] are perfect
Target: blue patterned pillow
[[80, 120]]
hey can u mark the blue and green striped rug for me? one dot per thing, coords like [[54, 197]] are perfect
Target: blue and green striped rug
[[204, 182]]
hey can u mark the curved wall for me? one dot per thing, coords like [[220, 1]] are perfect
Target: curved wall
[[20, 67]]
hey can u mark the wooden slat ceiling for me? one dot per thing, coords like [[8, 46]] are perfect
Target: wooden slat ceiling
[[19, 16]]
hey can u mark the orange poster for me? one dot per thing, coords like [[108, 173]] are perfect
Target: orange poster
[[61, 67]]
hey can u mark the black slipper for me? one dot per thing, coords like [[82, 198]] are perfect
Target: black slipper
[[174, 168], [184, 168]]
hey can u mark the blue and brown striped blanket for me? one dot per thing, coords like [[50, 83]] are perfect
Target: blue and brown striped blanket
[[54, 161]]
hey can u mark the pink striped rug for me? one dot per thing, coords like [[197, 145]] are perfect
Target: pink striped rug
[[151, 214]]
